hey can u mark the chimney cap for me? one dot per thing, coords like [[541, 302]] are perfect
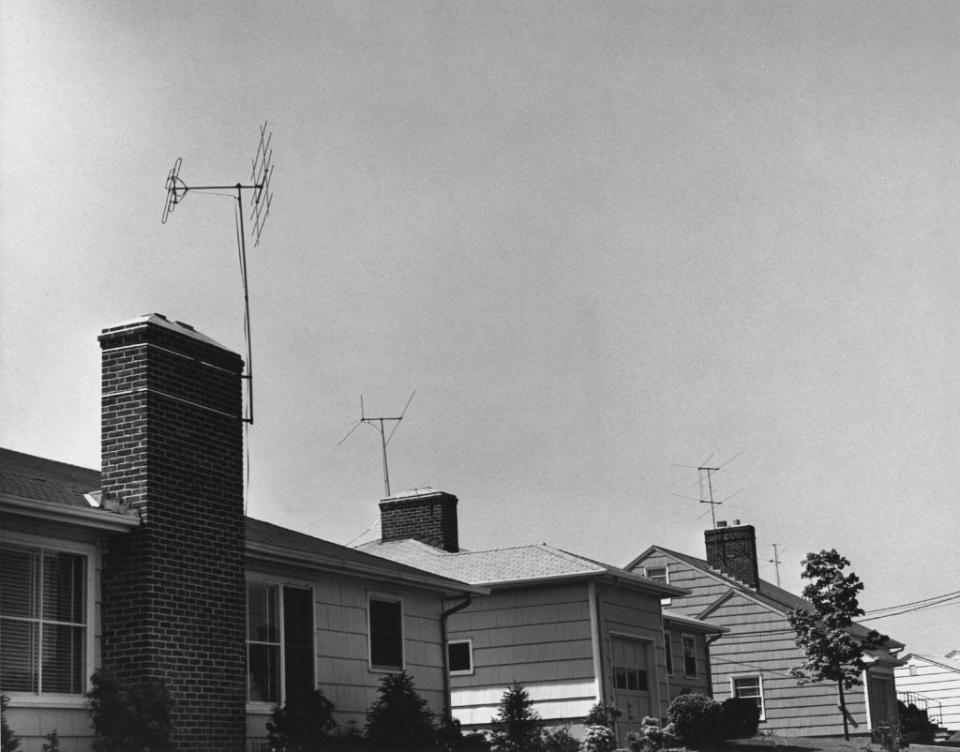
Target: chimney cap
[[721, 523], [158, 319]]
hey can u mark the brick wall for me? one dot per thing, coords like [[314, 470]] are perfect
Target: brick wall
[[428, 516], [733, 550], [173, 593]]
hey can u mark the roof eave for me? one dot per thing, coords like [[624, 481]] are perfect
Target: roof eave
[[49, 511], [282, 555]]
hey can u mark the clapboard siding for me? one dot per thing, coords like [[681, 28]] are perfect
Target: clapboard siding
[[759, 643], [937, 682], [343, 670], [538, 636]]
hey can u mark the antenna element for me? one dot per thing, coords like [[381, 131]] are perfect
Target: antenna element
[[378, 423]]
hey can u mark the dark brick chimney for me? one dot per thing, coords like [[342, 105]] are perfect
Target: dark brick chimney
[[425, 515], [733, 550], [173, 594]]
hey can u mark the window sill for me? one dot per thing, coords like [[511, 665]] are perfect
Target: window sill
[[27, 700]]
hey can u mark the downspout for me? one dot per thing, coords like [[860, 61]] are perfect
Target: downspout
[[447, 701], [707, 642]]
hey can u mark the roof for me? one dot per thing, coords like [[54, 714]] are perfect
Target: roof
[[29, 477], [510, 566], [44, 488], [267, 540], [766, 592], [690, 622], [946, 662]]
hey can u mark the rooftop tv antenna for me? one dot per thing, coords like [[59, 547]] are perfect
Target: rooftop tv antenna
[[705, 485], [776, 561], [379, 424], [261, 197]]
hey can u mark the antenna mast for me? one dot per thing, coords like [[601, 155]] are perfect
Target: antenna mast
[[709, 500], [776, 562], [379, 424], [261, 198]]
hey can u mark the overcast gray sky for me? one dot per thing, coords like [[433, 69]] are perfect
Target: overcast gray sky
[[599, 239]]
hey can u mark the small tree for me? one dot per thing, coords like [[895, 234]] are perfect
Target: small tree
[[517, 727], [833, 653], [400, 718], [302, 725]]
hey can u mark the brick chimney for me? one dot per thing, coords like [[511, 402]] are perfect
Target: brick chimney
[[425, 515], [173, 593], [733, 550]]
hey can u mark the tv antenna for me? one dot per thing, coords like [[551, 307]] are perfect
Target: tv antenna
[[380, 425], [705, 485], [776, 561], [261, 197]]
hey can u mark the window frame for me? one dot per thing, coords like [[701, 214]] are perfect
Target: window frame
[[460, 641], [278, 583], [696, 664], [760, 696], [91, 596], [393, 599]]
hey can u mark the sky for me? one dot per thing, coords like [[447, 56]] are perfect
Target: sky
[[603, 242]]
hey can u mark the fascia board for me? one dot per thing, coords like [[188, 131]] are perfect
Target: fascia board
[[49, 511]]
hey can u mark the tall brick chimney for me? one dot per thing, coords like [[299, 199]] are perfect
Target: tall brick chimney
[[173, 593], [425, 515], [733, 550]]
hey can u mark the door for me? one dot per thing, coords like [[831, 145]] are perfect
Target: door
[[631, 682]]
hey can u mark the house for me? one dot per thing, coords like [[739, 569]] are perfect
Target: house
[[754, 657], [932, 683], [149, 569], [572, 630]]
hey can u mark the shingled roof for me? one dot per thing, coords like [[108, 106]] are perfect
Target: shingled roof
[[28, 477], [509, 566]]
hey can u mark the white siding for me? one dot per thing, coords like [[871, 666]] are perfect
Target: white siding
[[938, 684]]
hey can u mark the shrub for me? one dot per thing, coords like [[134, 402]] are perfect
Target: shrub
[[9, 742], [651, 737], [599, 739], [399, 719], [560, 740], [302, 725], [695, 718], [602, 714], [53, 742], [129, 720], [915, 724], [887, 737], [516, 727], [740, 718]]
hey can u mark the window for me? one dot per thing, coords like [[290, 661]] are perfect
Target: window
[[668, 651], [280, 654], [386, 634], [749, 688], [460, 656], [689, 655], [43, 620], [634, 679], [657, 573]]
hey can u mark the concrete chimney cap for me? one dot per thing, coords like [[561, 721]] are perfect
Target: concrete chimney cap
[[158, 319]]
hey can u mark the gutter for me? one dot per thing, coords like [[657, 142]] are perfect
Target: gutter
[[447, 698], [49, 511]]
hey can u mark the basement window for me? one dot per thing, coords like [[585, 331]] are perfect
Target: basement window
[[386, 634], [43, 621], [460, 657], [280, 654]]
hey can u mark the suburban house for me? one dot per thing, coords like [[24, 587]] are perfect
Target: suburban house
[[571, 630], [754, 657], [150, 570], [932, 683]]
